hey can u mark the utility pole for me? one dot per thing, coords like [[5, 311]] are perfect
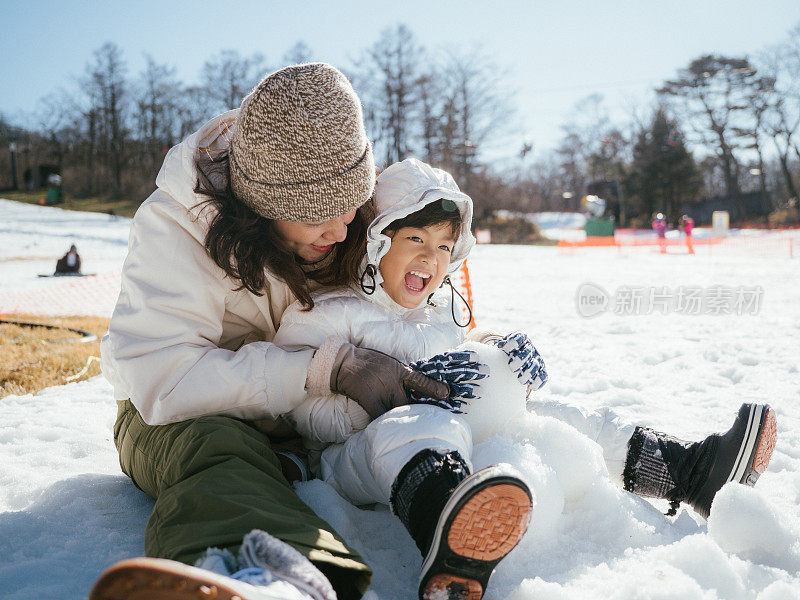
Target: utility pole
[[12, 148]]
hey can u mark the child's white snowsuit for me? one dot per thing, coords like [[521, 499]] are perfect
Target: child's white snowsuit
[[365, 458]]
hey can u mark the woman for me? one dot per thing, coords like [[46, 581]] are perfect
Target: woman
[[256, 209]]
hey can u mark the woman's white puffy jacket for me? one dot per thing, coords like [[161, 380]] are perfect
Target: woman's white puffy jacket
[[376, 322], [183, 342]]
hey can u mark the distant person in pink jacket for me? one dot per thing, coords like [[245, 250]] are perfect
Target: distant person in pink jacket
[[687, 224], [660, 227]]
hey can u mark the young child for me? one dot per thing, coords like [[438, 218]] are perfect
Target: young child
[[416, 458]]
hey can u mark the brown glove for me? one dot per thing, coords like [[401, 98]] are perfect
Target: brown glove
[[379, 382]]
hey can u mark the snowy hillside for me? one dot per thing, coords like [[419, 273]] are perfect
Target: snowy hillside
[[67, 512]]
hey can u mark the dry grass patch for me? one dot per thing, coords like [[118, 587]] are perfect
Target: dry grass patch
[[34, 358]]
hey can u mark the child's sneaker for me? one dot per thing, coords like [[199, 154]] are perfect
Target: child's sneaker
[[484, 519], [463, 524]]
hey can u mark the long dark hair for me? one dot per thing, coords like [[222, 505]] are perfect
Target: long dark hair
[[245, 245]]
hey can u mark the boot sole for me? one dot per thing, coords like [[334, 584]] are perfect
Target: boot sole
[[482, 522], [757, 445], [160, 579]]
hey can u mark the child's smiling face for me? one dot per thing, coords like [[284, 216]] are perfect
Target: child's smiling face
[[416, 262]]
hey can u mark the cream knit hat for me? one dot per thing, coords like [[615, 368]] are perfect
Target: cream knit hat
[[300, 152]]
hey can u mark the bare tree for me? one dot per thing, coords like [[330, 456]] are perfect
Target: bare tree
[[9, 163], [193, 108], [386, 78], [759, 97], [545, 174], [782, 116], [298, 54], [56, 126], [572, 170], [107, 110], [157, 110], [429, 94], [580, 151], [227, 78], [476, 110], [713, 176]]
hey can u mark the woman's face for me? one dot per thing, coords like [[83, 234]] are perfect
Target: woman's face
[[314, 241]]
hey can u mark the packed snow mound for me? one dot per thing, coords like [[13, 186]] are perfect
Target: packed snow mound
[[744, 523], [576, 460]]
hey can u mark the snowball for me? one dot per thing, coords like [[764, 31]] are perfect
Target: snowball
[[538, 588], [499, 398], [742, 522], [779, 590]]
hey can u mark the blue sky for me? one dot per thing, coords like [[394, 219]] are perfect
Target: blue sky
[[555, 52]]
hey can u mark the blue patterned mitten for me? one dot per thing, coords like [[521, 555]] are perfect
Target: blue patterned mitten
[[458, 369], [523, 359]]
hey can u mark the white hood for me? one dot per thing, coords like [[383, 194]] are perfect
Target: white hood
[[404, 188]]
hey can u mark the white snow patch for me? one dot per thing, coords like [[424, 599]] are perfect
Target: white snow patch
[[744, 523]]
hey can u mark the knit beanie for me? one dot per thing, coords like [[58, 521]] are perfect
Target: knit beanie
[[300, 151]]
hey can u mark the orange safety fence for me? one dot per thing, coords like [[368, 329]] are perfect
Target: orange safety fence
[[591, 240], [757, 245]]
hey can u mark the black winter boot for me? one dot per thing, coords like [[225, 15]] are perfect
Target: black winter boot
[[661, 466], [463, 524]]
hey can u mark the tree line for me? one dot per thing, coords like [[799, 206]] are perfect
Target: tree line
[[722, 127]]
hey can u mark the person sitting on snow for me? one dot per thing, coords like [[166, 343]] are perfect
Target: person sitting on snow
[[416, 458], [70, 263]]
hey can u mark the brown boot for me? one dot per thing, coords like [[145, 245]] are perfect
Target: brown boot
[[161, 579]]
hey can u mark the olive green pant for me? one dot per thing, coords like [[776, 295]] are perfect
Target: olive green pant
[[214, 479]]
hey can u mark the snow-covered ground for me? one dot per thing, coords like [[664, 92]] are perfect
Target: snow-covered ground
[[33, 237], [66, 511]]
